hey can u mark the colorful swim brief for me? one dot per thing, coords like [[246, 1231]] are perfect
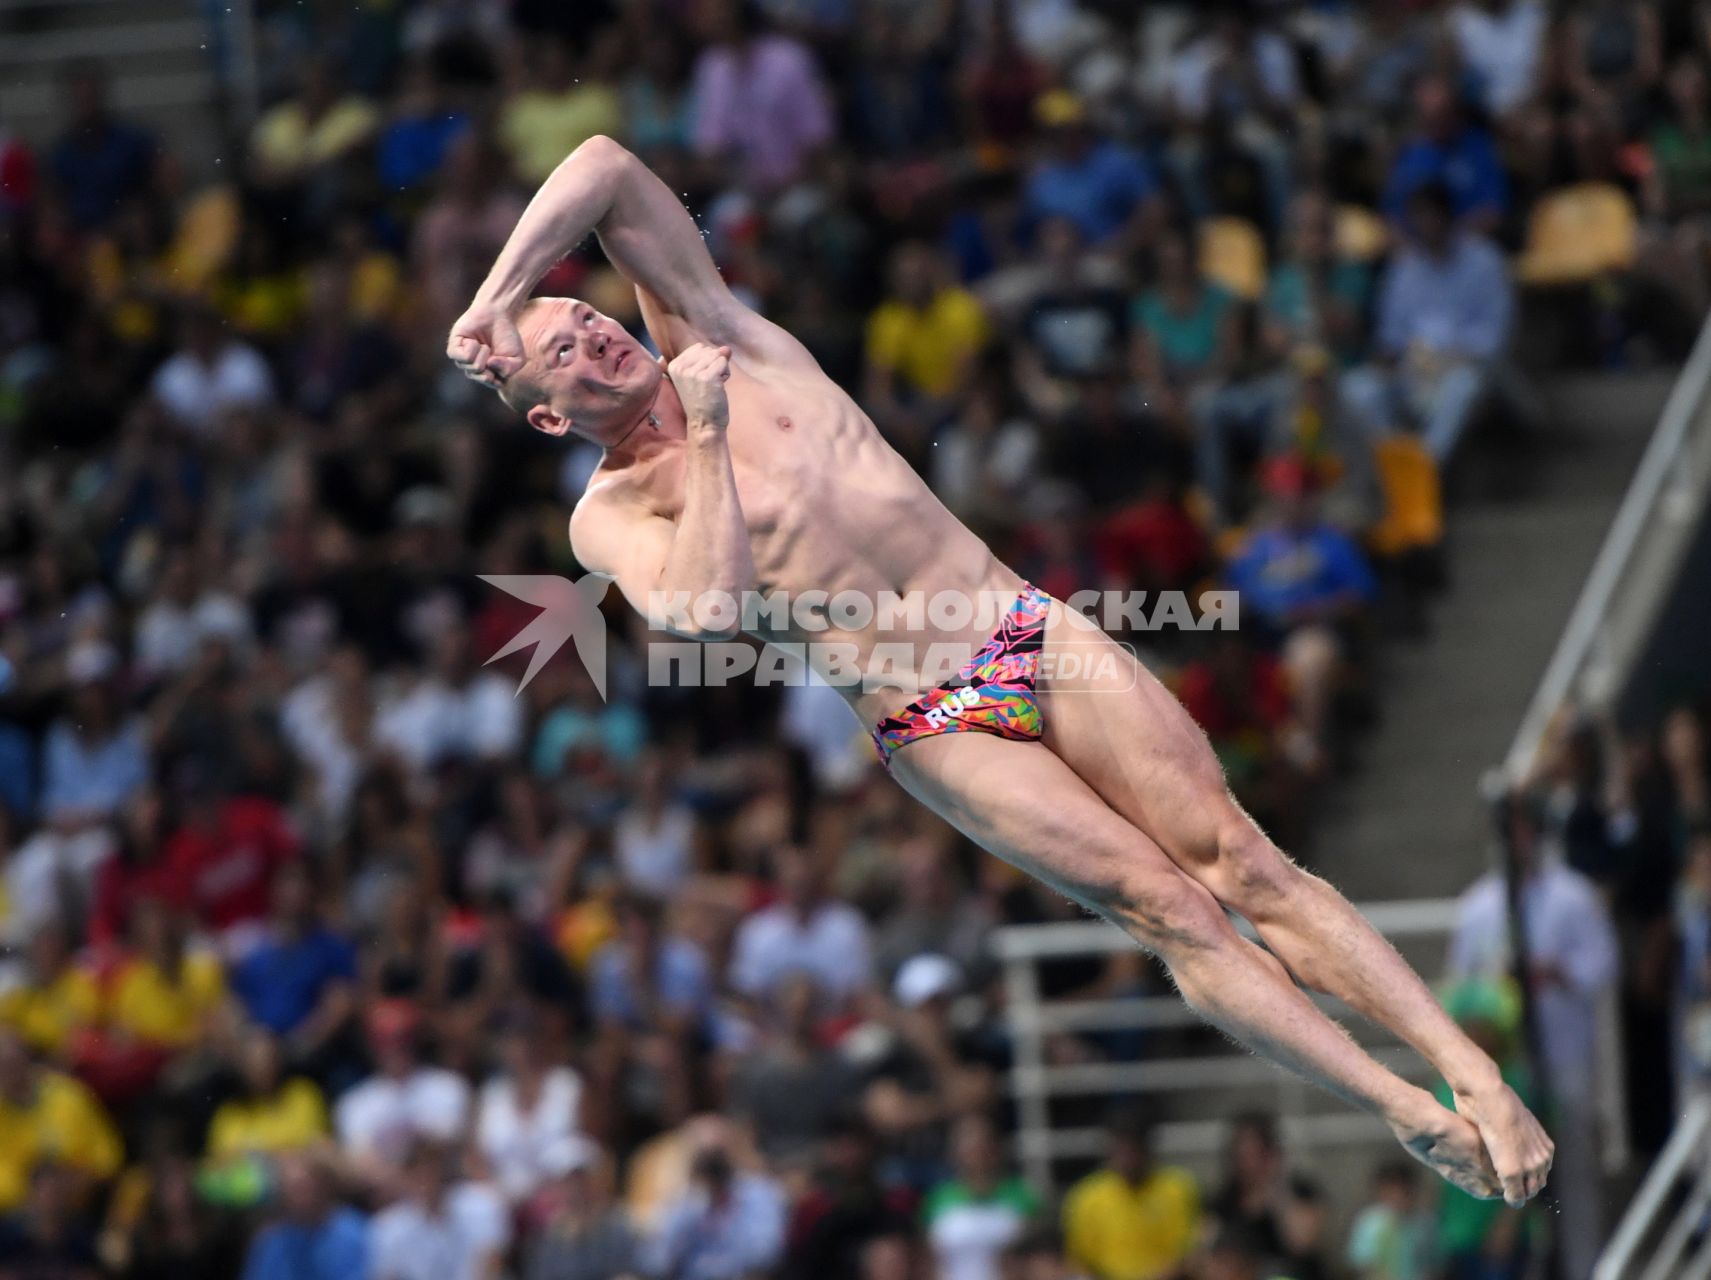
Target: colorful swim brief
[[994, 691]]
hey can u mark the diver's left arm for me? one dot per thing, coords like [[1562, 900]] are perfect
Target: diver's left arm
[[649, 237]]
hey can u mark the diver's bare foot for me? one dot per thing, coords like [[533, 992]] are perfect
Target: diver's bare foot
[[1449, 1146], [1520, 1149]]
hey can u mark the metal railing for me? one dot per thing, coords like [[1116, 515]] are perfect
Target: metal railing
[[1619, 603], [1617, 608], [1034, 1082], [1680, 1179]]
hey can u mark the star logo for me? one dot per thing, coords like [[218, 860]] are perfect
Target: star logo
[[569, 611]]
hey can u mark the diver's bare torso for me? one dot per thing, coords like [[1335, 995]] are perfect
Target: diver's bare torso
[[830, 507]]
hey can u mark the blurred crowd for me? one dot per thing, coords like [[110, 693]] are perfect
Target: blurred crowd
[[327, 955], [1608, 849]]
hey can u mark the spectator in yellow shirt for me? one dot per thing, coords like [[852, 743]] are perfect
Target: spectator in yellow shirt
[[46, 1116], [558, 112], [318, 127], [273, 1114], [1132, 1219], [57, 999], [163, 994], [923, 343]]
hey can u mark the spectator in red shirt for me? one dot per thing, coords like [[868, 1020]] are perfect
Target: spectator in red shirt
[[1235, 692], [17, 175], [1153, 544], [225, 855], [139, 867], [1239, 694]]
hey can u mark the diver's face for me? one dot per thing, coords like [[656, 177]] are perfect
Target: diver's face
[[594, 377]]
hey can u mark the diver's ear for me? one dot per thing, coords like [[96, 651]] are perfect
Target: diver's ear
[[542, 418]]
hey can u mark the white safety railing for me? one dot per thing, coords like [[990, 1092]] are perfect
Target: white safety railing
[[1034, 1082], [1636, 565], [1680, 1180]]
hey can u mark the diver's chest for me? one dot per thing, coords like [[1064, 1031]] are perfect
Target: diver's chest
[[782, 474], [785, 462], [794, 451]]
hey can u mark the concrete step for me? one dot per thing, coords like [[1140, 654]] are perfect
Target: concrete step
[[1409, 823], [156, 53]]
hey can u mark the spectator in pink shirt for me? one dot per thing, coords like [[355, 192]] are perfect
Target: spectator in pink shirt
[[758, 99]]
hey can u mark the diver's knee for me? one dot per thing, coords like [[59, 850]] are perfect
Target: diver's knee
[[1171, 915], [1253, 875]]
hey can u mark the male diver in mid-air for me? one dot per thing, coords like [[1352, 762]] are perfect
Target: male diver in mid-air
[[733, 464]]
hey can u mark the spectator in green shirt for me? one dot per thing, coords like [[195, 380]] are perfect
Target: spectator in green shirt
[[1485, 1239], [980, 1212], [1392, 1238]]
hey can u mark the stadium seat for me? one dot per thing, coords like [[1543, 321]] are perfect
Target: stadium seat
[[1233, 255], [1413, 504], [1578, 234]]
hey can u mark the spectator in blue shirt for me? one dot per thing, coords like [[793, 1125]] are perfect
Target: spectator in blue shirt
[[412, 147], [300, 982], [93, 760], [315, 1238], [652, 1001], [99, 163], [641, 976], [727, 1225], [1307, 581], [17, 771], [1444, 313], [1450, 151], [1299, 571], [1106, 190]]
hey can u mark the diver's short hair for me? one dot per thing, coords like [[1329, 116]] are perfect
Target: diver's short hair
[[520, 394]]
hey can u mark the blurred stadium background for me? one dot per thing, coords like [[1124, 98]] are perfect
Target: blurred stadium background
[[325, 957]]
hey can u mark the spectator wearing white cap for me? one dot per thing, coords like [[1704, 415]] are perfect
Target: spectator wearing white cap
[[934, 1073], [925, 979]]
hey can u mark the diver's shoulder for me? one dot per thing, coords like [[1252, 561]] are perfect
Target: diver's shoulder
[[615, 495]]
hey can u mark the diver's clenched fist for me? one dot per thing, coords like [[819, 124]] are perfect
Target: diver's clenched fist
[[699, 373]]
